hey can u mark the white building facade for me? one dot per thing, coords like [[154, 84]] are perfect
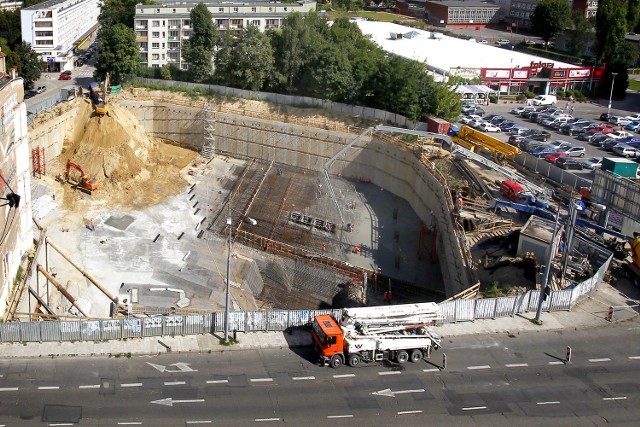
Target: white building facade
[[54, 28], [161, 29], [16, 231]]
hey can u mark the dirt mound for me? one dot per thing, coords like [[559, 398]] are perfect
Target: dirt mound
[[132, 169]]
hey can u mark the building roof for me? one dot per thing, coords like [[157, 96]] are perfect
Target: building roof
[[444, 53], [538, 228], [184, 3], [45, 5], [464, 4]]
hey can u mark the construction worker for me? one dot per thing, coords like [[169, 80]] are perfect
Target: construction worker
[[389, 296], [460, 203], [385, 296]]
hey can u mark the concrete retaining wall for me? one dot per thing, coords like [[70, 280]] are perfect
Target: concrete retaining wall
[[390, 167]]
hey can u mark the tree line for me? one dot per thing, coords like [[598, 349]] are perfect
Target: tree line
[[307, 56], [606, 32]]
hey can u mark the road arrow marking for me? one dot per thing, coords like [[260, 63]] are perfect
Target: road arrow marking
[[387, 392], [182, 367], [170, 402]]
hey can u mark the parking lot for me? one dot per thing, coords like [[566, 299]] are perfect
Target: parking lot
[[588, 111]]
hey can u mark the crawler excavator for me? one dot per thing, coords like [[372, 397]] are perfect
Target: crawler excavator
[[85, 183], [98, 95]]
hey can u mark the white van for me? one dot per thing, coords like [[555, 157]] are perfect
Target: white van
[[545, 100]]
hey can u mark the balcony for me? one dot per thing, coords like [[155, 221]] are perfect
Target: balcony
[[142, 38], [185, 37], [143, 49], [142, 27], [173, 38], [186, 27], [174, 49], [223, 27]]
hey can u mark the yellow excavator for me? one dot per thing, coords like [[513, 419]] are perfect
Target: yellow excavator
[[99, 96]]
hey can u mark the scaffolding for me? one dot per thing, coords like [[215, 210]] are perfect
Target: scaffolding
[[209, 145]]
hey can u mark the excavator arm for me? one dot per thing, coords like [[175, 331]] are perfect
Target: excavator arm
[[85, 182]]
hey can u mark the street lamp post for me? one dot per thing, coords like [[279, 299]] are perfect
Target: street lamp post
[[613, 80], [543, 288]]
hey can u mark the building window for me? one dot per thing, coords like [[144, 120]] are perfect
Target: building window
[[221, 9], [253, 9], [174, 11], [155, 65], [285, 9], [155, 23], [155, 56], [255, 22], [235, 10], [157, 10], [155, 34], [155, 45]]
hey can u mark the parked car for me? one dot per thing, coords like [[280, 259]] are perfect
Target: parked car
[[551, 158], [559, 144], [609, 143], [592, 163], [465, 120], [586, 135], [538, 135], [545, 100], [599, 139], [30, 94], [569, 163], [507, 126], [575, 129], [633, 117], [476, 123], [488, 117], [515, 139], [502, 42], [519, 130], [633, 126], [625, 150], [519, 110], [603, 129], [529, 144], [542, 151], [41, 89], [619, 121], [489, 127], [620, 134], [65, 77], [605, 117], [574, 151], [477, 111], [498, 120], [482, 41]]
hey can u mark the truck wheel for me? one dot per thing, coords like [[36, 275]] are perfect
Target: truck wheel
[[354, 360], [336, 362], [416, 356], [402, 356]]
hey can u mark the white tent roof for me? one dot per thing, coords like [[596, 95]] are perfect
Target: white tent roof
[[447, 53]]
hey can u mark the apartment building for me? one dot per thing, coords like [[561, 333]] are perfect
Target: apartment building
[[161, 29], [16, 236], [54, 28], [10, 4]]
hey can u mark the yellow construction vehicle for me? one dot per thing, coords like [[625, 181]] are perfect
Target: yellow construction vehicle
[[478, 141], [98, 95]]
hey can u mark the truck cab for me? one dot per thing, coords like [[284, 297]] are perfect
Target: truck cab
[[328, 339]]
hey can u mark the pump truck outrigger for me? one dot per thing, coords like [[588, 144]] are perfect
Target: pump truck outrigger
[[371, 334]]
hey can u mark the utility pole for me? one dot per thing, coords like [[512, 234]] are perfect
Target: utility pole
[[226, 305], [543, 288], [613, 80]]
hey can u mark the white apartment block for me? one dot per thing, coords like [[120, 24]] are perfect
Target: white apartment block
[[16, 231], [10, 4], [161, 29], [54, 28]]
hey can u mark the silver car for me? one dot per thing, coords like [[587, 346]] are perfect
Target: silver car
[[592, 163]]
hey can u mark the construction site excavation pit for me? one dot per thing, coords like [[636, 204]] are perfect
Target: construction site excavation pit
[[155, 231]]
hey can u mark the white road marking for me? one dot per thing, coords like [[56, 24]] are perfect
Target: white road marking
[[516, 365], [478, 367], [266, 419], [615, 398], [431, 370], [556, 362], [474, 408], [634, 357], [90, 386], [131, 385], [55, 425], [604, 359], [303, 378], [49, 387], [199, 422], [387, 392], [130, 423], [555, 402], [409, 412], [344, 376], [170, 401], [174, 383], [339, 416], [9, 389], [217, 381], [389, 373], [261, 380]]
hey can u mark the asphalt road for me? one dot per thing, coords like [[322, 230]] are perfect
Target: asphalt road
[[488, 381]]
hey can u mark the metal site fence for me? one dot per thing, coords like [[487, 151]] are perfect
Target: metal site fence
[[256, 321]]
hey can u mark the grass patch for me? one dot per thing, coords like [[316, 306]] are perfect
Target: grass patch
[[370, 15], [634, 84], [497, 290], [228, 343]]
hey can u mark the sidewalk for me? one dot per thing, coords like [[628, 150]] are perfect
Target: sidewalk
[[590, 313]]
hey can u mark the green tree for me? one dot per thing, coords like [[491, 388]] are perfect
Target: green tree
[[550, 18], [441, 101], [118, 54], [10, 27], [349, 4], [582, 34], [633, 14], [611, 28], [198, 51], [224, 59], [329, 75], [28, 63], [253, 63], [114, 12]]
